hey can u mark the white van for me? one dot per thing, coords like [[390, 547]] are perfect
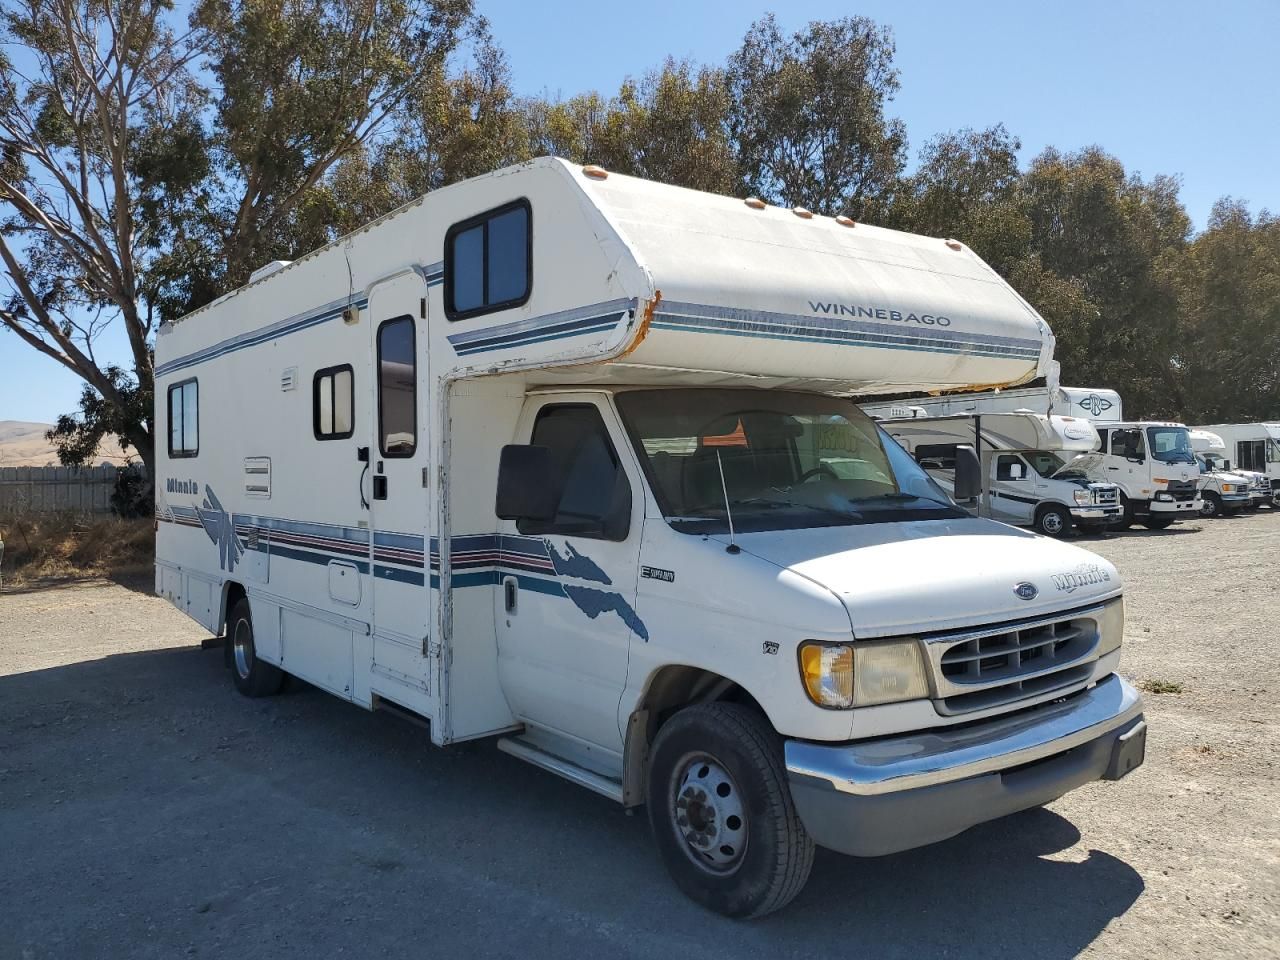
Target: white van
[[1026, 476], [567, 458], [1221, 490], [1253, 449]]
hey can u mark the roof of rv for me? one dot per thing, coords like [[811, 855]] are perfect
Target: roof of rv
[[742, 289]]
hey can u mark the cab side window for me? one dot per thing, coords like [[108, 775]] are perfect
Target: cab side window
[[594, 496], [1010, 468]]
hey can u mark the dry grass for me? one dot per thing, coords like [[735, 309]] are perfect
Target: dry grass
[[40, 546]]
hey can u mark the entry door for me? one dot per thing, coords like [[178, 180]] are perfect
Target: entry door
[[1251, 455], [566, 597], [398, 493], [1013, 489]]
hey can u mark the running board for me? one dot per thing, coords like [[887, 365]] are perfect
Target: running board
[[565, 768]]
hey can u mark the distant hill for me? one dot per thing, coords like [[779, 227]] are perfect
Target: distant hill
[[22, 444]]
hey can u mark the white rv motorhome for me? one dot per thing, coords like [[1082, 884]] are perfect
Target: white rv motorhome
[[567, 458], [1026, 478], [1097, 405], [1221, 490], [1253, 449]]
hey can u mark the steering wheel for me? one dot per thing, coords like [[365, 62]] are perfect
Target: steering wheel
[[814, 471]]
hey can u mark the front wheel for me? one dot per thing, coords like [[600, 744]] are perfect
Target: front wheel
[[1157, 523], [721, 811], [1126, 518], [1211, 505], [1053, 520]]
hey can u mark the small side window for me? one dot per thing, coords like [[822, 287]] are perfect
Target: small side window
[[397, 388], [333, 403], [487, 262], [184, 419]]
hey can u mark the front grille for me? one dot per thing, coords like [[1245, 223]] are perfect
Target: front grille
[[991, 666], [1182, 489], [1106, 497]]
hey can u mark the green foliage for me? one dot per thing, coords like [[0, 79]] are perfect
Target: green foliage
[[807, 115]]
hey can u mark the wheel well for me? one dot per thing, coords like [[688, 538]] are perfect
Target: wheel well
[[670, 690], [232, 593]]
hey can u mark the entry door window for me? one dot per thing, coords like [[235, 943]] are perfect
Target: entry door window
[[1250, 455], [594, 496], [397, 388]]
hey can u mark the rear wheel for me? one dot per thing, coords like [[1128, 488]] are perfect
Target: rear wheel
[[1053, 520], [1211, 504], [253, 677], [721, 811]]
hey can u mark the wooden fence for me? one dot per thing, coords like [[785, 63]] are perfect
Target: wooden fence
[[77, 489]]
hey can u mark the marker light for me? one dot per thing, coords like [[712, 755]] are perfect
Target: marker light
[[594, 172], [755, 203], [954, 244], [803, 213], [827, 672], [845, 221]]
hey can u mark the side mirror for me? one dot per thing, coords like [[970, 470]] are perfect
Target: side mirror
[[526, 486], [1015, 471], [968, 485], [1226, 466]]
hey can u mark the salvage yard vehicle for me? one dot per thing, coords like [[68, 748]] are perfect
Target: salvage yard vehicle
[[1027, 474], [568, 459]]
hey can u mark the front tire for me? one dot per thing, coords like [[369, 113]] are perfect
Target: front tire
[[253, 677], [1157, 523], [1053, 520], [1211, 504], [1126, 515], [721, 811]]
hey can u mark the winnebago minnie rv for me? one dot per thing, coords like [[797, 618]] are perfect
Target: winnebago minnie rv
[[567, 458]]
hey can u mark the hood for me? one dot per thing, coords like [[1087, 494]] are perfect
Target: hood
[[897, 578], [1084, 463]]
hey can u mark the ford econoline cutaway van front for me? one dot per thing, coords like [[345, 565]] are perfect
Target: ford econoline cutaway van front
[[890, 670]]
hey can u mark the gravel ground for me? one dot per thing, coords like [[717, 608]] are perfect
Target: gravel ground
[[147, 810]]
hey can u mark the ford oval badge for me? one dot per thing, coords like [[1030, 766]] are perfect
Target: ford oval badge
[[1027, 591]]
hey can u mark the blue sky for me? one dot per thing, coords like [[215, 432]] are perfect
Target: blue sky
[[1172, 87]]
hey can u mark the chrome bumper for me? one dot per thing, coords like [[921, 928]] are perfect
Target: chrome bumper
[[879, 796], [1095, 513]]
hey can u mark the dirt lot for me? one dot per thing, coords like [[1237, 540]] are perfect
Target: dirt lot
[[147, 810]]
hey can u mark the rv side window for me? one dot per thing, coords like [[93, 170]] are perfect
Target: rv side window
[[397, 388], [332, 403], [487, 262], [184, 419], [594, 494]]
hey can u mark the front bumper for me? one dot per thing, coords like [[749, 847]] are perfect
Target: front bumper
[[1104, 514], [876, 797], [1176, 507]]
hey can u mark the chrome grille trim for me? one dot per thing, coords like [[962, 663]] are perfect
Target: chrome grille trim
[[984, 667]]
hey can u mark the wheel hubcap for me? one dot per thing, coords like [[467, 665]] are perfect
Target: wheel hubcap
[[1209, 508], [242, 649], [708, 815], [1052, 523]]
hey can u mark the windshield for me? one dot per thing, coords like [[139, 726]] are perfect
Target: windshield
[[785, 461], [1043, 462], [1171, 444]]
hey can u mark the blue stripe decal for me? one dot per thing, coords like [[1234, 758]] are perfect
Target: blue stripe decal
[[553, 326], [728, 321], [329, 311]]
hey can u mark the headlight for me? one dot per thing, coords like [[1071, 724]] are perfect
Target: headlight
[[1083, 497], [843, 675], [827, 672], [1111, 626]]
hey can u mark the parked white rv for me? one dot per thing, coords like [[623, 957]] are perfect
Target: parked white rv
[[1253, 449], [1221, 490], [1026, 477], [567, 458], [1097, 405]]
